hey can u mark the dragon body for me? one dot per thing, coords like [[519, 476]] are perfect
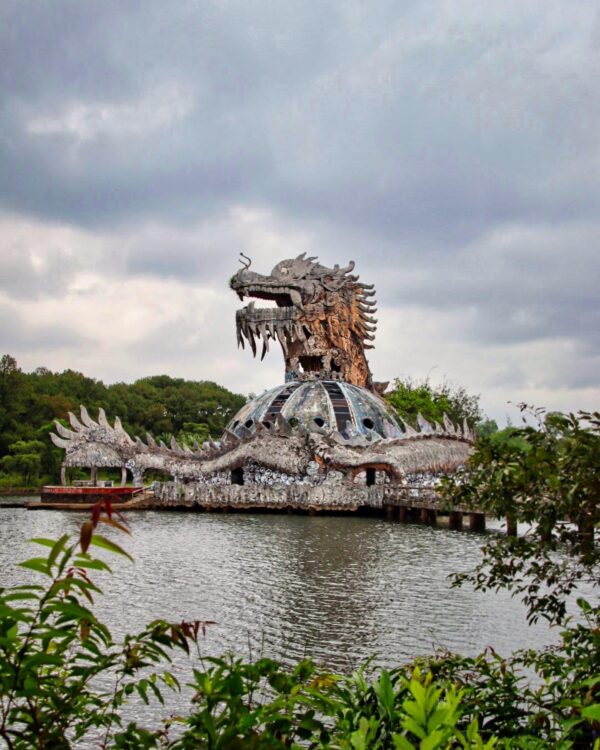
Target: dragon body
[[294, 453], [327, 426]]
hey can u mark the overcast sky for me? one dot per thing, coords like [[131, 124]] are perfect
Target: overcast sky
[[452, 149]]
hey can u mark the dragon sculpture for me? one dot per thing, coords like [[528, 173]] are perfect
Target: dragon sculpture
[[323, 319], [326, 429]]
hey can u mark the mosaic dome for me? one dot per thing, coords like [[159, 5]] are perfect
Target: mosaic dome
[[319, 404]]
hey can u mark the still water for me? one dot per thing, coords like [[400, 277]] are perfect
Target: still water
[[336, 588]]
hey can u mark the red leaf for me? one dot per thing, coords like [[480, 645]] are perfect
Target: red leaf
[[96, 508], [85, 535]]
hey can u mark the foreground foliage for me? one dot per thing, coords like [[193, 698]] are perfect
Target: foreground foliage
[[548, 477]]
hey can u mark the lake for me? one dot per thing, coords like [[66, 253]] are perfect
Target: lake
[[336, 588]]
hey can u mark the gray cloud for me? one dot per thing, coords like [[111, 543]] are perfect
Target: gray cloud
[[412, 122], [19, 336], [22, 276], [451, 150]]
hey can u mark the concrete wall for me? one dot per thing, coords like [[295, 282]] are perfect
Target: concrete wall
[[297, 497]]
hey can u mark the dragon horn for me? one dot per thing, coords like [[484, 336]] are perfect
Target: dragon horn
[[301, 256], [245, 257], [348, 268]]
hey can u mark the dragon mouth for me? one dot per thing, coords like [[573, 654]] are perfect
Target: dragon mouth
[[269, 323]]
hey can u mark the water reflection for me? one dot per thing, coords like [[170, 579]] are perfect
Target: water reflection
[[336, 588]]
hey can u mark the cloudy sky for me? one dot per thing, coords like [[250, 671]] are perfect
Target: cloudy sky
[[452, 149]]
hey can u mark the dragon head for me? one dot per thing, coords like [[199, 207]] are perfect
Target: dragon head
[[322, 318]]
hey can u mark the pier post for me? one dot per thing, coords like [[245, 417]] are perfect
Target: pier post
[[511, 525], [94, 476], [389, 511], [476, 522], [433, 517], [403, 514], [424, 516], [455, 520]]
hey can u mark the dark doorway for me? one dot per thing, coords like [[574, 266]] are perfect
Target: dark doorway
[[237, 476], [371, 475]]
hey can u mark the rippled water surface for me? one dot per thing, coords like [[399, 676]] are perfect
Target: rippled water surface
[[337, 588]]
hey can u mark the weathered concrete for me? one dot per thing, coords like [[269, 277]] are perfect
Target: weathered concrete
[[392, 500]]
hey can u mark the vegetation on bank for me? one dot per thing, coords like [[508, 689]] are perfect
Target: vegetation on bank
[[161, 405], [53, 648]]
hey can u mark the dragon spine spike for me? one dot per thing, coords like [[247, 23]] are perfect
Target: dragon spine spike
[[449, 425], [85, 417], [162, 445], [409, 431], [59, 442], [150, 440], [63, 431], [466, 429], [175, 445], [75, 423], [102, 420], [424, 426]]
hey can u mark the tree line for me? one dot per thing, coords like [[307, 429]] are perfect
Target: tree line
[[162, 405]]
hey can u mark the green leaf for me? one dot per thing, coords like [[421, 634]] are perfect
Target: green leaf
[[432, 741], [44, 542], [591, 712], [402, 743], [101, 541], [39, 564], [385, 692], [411, 725], [56, 549], [40, 660], [11, 633], [85, 562]]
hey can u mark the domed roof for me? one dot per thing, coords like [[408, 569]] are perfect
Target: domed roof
[[319, 404]]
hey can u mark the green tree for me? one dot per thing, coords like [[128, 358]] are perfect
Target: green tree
[[25, 457], [412, 397], [12, 400]]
